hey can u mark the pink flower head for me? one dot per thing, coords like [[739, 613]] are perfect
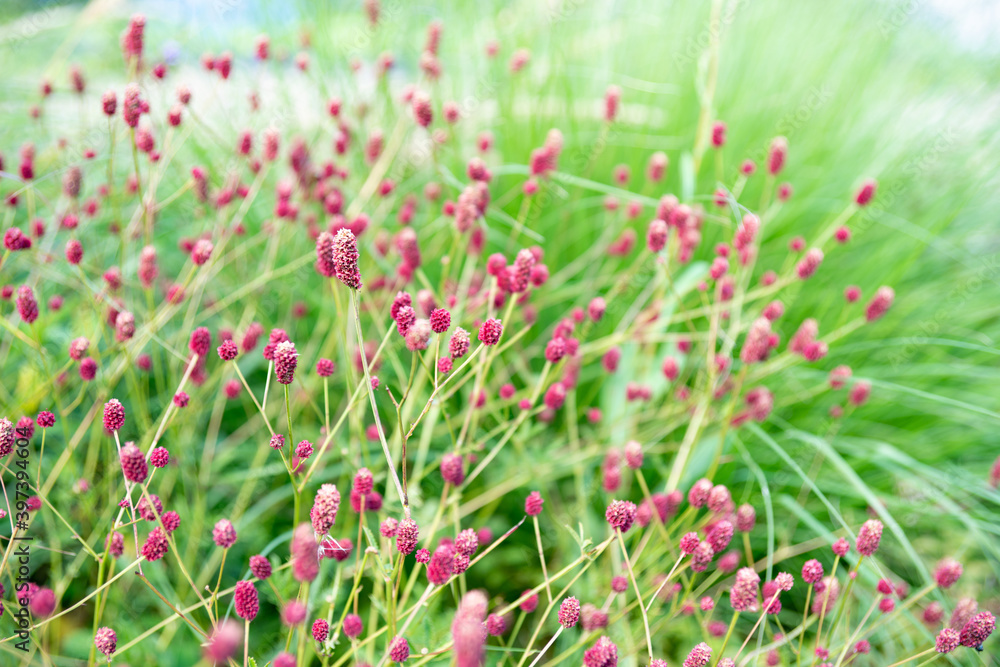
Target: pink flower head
[[947, 572], [866, 192], [159, 457], [812, 571], [496, 625], [345, 257], [324, 509], [533, 504], [656, 235], [305, 556], [245, 600], [809, 263], [698, 495], [325, 368], [399, 650], [407, 535], [201, 252], [228, 350], [620, 514], [776, 155], [720, 535], [880, 303], [689, 542], [490, 332], [114, 415], [602, 654], [320, 630], [633, 454], [859, 392], [612, 98], [106, 641], [293, 613], [285, 361], [756, 347], [458, 346], [977, 629], [224, 535], [555, 396], [260, 567], [947, 640], [353, 625], [468, 631], [155, 546], [133, 464], [569, 612], [325, 264], [440, 320], [200, 342], [841, 547], [699, 656], [27, 306], [746, 518], [452, 469], [743, 594], [718, 134], [869, 537]]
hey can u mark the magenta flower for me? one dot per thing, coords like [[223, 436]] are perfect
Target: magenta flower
[[245, 600], [699, 656], [228, 350], [467, 630], [106, 641], [399, 650], [320, 630], [345, 258], [324, 509], [620, 514], [224, 535], [533, 504], [305, 558], [155, 546], [458, 346], [452, 469], [947, 572], [133, 464], [407, 535], [947, 640], [977, 629], [260, 567], [569, 612], [743, 594], [602, 654], [353, 626], [285, 360], [490, 332], [869, 537]]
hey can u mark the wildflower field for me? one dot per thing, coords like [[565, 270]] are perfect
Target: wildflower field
[[572, 332]]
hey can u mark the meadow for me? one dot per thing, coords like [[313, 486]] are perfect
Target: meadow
[[498, 334]]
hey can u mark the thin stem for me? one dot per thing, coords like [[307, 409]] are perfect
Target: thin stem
[[638, 595], [371, 396], [541, 557]]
